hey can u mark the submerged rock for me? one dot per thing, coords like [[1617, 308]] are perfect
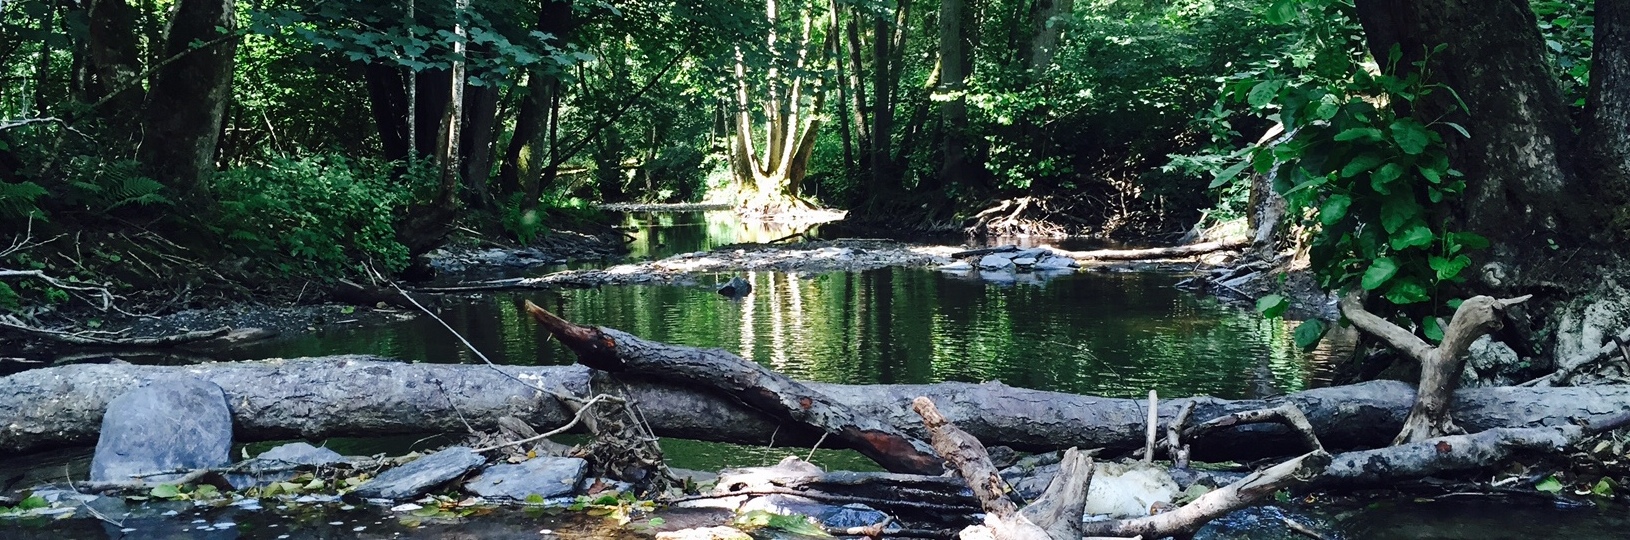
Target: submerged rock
[[831, 516], [995, 261], [275, 465], [422, 475], [543, 476], [173, 424], [736, 288]]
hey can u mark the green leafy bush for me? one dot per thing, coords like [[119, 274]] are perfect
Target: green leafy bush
[[319, 213]]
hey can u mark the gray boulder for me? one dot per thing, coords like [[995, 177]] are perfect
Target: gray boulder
[[1025, 261], [275, 465], [422, 475], [543, 476], [995, 262], [172, 424], [1056, 263]]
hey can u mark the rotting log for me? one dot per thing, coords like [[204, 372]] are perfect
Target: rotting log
[[1440, 365], [367, 396], [756, 386], [1456, 453], [1176, 252]]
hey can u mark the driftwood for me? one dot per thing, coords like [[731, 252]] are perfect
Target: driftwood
[[1457, 453], [984, 251], [1056, 515], [1570, 367], [758, 387], [365, 396], [1440, 365], [1216, 503], [1155, 253], [938, 499]]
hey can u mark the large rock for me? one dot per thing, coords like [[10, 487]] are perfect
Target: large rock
[[422, 475], [276, 465], [542, 476], [172, 424]]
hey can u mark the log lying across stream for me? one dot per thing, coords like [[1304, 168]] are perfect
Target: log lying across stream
[[362, 396]]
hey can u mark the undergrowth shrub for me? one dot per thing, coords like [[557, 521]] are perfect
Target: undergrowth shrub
[[319, 213]]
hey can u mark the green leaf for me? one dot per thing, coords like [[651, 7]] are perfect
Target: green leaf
[[1399, 211], [1368, 134], [1228, 174], [1272, 305], [1471, 240], [1603, 487], [656, 522], [1407, 291], [1263, 93], [1447, 268], [1432, 329], [1413, 235], [165, 491], [32, 502], [534, 499], [1459, 128], [1334, 208], [1360, 163], [1380, 271], [1308, 333], [1282, 11], [1549, 485], [1385, 175], [1411, 136]]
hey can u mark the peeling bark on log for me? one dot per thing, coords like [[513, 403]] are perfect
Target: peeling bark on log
[[1440, 365], [754, 385], [1155, 253], [364, 396]]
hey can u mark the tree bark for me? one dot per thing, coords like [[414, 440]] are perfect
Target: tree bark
[[1606, 131], [1518, 193], [189, 96], [529, 149], [364, 396], [480, 132], [1047, 19], [113, 62], [954, 169]]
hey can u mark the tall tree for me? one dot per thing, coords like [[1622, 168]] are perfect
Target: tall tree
[[768, 173], [954, 168], [182, 123]]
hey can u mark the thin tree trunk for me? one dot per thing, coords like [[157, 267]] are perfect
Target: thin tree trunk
[[184, 109], [525, 160], [954, 110], [42, 64], [481, 104], [1047, 18], [113, 62], [882, 110]]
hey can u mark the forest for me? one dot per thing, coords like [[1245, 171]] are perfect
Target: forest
[[1377, 241]]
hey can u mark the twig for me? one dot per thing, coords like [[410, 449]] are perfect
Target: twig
[[471, 346], [98, 515], [1151, 427], [581, 412], [1301, 529]]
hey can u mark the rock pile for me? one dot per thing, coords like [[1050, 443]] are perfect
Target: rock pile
[[1011, 264]]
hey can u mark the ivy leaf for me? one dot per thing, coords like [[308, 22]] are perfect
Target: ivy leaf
[[1272, 306], [1308, 333], [1549, 485], [1360, 163], [1471, 240], [1368, 134], [32, 502], [1407, 291], [1380, 271], [1228, 174], [1334, 208], [1411, 136], [1413, 235], [1385, 175]]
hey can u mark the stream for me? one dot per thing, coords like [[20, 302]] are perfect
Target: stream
[[1116, 334]]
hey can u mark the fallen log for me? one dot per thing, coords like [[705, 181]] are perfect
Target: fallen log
[[756, 386], [85, 339], [1190, 250], [984, 251], [367, 396], [1456, 453]]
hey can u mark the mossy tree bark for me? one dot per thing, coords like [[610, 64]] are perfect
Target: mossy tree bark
[[182, 124]]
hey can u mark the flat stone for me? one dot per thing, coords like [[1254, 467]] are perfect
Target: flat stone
[[995, 262], [542, 476], [300, 453], [180, 423], [956, 266], [1026, 261], [831, 516], [1033, 253], [1056, 263], [422, 475]]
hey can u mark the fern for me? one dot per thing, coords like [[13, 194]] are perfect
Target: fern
[[137, 190], [107, 185], [17, 200]]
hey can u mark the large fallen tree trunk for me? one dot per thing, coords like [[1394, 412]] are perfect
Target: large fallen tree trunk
[[362, 396]]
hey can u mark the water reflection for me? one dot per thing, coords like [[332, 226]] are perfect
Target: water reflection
[[656, 235], [1105, 334]]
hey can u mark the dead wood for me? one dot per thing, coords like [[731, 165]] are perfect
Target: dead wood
[[358, 294], [934, 498], [368, 396], [1458, 453], [98, 340], [1216, 503], [1570, 367], [1440, 365], [1155, 253], [984, 251], [1287, 414], [754, 385], [1056, 515]]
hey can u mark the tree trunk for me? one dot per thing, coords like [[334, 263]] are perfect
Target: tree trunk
[[882, 110], [189, 96], [527, 157], [1606, 131], [954, 170], [480, 131], [1047, 19], [1518, 194], [113, 63], [387, 99]]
